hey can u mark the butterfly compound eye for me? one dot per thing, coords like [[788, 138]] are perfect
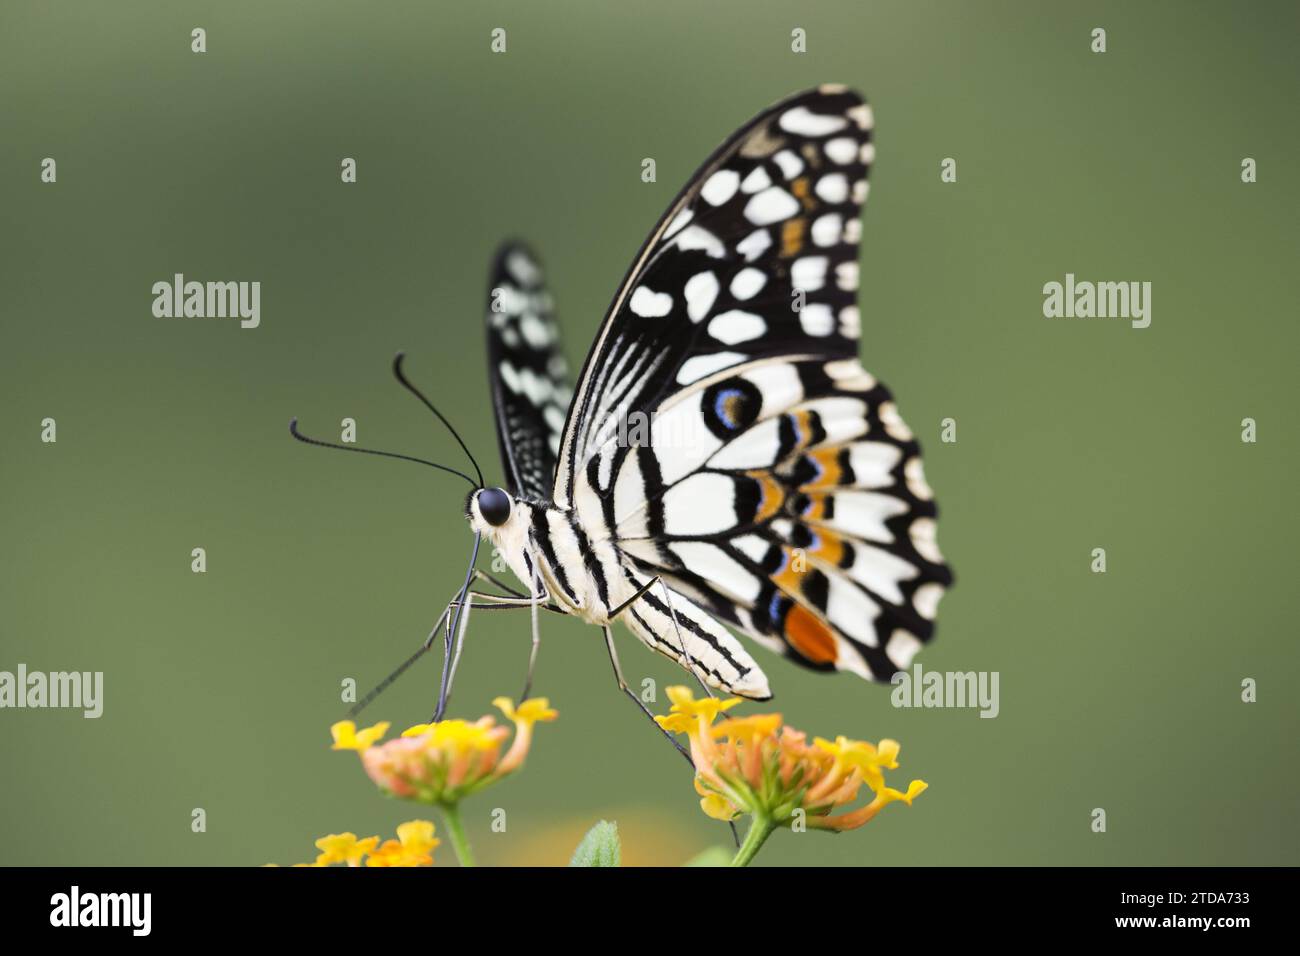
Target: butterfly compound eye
[[494, 505]]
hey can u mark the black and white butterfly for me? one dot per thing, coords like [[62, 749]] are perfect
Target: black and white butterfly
[[722, 461]]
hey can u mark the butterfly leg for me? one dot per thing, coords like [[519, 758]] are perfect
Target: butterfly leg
[[622, 685], [681, 645], [539, 599], [537, 637]]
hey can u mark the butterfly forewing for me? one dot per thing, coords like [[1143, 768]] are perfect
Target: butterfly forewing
[[757, 257], [527, 370]]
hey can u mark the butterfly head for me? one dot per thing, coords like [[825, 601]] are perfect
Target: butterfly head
[[490, 508]]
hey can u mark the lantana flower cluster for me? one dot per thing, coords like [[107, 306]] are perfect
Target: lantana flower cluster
[[758, 766], [444, 762]]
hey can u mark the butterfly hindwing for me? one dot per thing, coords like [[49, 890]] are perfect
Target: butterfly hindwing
[[810, 528], [527, 370]]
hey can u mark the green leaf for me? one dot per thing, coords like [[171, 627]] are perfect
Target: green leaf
[[713, 856], [599, 847]]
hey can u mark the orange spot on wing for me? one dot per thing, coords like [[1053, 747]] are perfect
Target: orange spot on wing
[[830, 474], [829, 548], [773, 495], [800, 188], [787, 578], [792, 237], [809, 636]]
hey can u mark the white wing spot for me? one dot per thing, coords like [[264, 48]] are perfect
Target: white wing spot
[[808, 273], [849, 373], [922, 534], [754, 245], [748, 282], [893, 422], [523, 269], [901, 648], [861, 114], [679, 220], [735, 326], [816, 319], [916, 483], [509, 376], [850, 322], [698, 366], [872, 462], [846, 276], [697, 237], [649, 304], [536, 332], [791, 165], [842, 150], [826, 230], [758, 179], [720, 187], [926, 599], [803, 122], [701, 291], [752, 547], [771, 205], [833, 187]]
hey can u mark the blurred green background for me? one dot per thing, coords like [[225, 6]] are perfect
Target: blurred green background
[[1119, 691]]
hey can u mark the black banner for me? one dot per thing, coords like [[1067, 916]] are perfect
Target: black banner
[[530, 905]]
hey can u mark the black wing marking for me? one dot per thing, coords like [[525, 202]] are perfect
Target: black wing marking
[[529, 376], [756, 258]]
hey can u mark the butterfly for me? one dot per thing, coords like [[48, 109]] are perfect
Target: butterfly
[[722, 464]]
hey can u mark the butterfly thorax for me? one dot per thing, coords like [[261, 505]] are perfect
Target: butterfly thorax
[[546, 544]]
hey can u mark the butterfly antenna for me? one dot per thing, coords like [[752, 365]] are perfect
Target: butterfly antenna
[[406, 383], [293, 430]]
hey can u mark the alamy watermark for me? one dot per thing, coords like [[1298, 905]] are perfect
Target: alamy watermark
[[179, 299], [75, 908], [956, 689], [82, 690], [1074, 299]]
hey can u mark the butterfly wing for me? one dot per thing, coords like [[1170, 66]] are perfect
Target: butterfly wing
[[528, 374], [724, 434], [773, 210]]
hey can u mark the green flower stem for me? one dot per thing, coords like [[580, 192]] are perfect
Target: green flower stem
[[456, 834], [760, 828]]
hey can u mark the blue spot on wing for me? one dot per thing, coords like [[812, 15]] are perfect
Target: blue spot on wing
[[720, 406]]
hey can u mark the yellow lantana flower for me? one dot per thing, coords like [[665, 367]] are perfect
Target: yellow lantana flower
[[757, 765], [708, 709], [347, 737], [344, 848], [413, 846]]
